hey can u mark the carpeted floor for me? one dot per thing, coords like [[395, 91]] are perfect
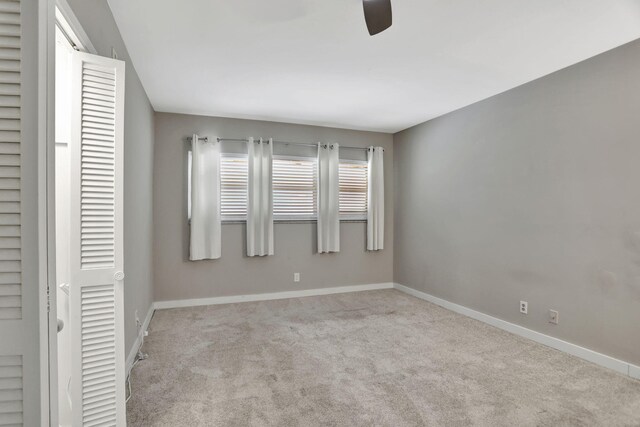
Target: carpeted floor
[[379, 358]]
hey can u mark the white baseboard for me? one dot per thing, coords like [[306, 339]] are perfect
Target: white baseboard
[[158, 305], [139, 339], [564, 346], [634, 371]]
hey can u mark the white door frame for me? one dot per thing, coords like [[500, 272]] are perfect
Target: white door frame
[[50, 12], [46, 217], [70, 23]]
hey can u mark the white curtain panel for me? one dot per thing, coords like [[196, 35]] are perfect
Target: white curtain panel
[[375, 199], [206, 225], [328, 198], [260, 198]]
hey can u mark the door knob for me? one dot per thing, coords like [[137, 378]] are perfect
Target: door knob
[[119, 275], [60, 325]]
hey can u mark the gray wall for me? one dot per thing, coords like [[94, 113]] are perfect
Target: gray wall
[[97, 20], [234, 273], [534, 195]]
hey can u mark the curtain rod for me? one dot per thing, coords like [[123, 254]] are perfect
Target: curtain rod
[[303, 144]]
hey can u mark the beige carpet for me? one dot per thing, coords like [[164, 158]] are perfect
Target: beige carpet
[[378, 358]]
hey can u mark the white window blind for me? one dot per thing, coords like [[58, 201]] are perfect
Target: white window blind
[[294, 188], [233, 186], [353, 189]]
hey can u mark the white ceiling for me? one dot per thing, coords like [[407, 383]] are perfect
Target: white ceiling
[[313, 62]]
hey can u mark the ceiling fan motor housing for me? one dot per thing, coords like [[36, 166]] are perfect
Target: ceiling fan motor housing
[[377, 14]]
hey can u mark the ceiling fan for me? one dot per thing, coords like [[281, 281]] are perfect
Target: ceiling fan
[[377, 13]]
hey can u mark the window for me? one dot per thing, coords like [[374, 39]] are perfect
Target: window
[[353, 189], [233, 186], [294, 188]]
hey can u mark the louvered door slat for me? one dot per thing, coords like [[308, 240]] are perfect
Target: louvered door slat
[[96, 240], [11, 410], [11, 303], [91, 166], [98, 302]]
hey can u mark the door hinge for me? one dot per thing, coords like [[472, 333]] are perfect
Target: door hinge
[[48, 299]]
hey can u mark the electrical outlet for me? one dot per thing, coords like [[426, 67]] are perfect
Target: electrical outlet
[[554, 317], [296, 277], [524, 307]]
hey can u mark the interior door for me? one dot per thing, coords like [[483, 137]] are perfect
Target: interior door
[[19, 287], [96, 245]]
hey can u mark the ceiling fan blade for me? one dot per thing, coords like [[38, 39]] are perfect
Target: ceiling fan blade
[[377, 13]]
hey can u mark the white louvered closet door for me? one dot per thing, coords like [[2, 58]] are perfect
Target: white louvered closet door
[[14, 307], [96, 246]]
